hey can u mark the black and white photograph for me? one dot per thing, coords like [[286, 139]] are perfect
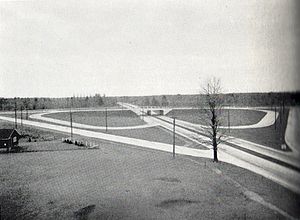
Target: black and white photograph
[[149, 109]]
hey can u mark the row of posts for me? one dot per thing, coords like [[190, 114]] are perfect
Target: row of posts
[[71, 118], [16, 117], [71, 125], [106, 127]]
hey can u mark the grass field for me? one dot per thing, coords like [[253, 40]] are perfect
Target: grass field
[[272, 136], [267, 136], [123, 182], [236, 116], [114, 118], [156, 134]]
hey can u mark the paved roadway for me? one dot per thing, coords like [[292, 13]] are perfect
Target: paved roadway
[[273, 164], [266, 121], [40, 116], [287, 177]]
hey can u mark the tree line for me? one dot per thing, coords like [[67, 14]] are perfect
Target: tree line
[[197, 100], [9, 104], [228, 99]]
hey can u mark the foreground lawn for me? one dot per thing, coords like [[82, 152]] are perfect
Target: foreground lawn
[[123, 182], [114, 118], [236, 116]]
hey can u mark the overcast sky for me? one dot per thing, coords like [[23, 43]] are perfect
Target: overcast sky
[[61, 48]]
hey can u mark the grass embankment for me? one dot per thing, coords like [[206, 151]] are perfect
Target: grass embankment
[[201, 116], [272, 136], [121, 118], [123, 182]]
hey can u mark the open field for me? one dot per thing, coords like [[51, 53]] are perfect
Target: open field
[[114, 118], [272, 136], [123, 182], [236, 116], [267, 136], [157, 134]]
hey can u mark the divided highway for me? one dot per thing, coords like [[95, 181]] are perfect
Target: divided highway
[[281, 167]]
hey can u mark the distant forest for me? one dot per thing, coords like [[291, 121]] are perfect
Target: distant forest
[[230, 99], [7, 104]]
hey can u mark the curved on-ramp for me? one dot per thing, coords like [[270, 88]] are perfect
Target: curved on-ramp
[[274, 172], [40, 116]]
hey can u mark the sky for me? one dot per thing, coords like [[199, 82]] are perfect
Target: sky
[[153, 47]]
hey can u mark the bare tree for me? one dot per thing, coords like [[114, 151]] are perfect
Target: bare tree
[[214, 102]]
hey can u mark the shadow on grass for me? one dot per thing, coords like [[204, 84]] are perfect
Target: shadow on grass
[[169, 179], [84, 213], [176, 202], [24, 150]]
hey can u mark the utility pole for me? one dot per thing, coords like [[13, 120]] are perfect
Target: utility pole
[[16, 126], [275, 116], [228, 120], [71, 119], [26, 113], [142, 113], [106, 119], [21, 116], [173, 137]]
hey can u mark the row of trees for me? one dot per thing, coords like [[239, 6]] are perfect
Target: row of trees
[[154, 102], [50, 103], [229, 99]]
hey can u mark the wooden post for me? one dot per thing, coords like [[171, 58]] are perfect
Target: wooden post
[[21, 116], [173, 137], [228, 120], [71, 119], [106, 119], [275, 116]]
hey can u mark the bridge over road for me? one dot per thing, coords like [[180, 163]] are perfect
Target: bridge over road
[[147, 110]]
